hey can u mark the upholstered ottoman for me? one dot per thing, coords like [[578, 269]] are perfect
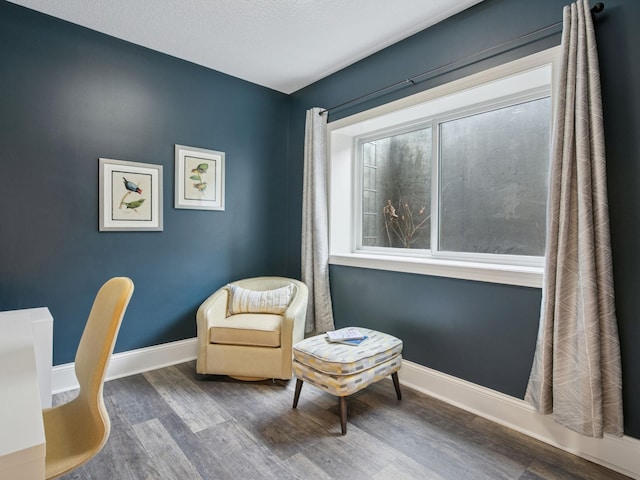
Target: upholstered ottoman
[[341, 369]]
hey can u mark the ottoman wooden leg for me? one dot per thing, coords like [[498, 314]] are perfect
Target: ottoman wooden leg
[[296, 396], [343, 414], [396, 384]]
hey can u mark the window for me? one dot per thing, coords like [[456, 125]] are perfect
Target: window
[[452, 181]]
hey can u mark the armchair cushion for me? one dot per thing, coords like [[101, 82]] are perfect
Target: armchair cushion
[[254, 329], [243, 300]]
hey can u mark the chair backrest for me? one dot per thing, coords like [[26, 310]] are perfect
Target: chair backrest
[[99, 336], [265, 283]]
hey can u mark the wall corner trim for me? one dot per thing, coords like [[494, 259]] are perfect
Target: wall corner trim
[[619, 454]]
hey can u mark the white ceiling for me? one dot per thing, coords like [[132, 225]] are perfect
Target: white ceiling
[[281, 44]]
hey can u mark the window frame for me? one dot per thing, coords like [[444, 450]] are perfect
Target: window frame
[[345, 184]]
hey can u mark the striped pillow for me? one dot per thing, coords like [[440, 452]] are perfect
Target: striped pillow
[[242, 300]]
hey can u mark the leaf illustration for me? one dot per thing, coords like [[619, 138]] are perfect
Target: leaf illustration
[[202, 168]]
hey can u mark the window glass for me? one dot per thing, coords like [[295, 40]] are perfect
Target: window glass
[[493, 180], [396, 190]]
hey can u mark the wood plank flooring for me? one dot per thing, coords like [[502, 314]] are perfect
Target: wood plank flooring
[[169, 424]]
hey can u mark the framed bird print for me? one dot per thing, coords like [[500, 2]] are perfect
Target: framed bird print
[[130, 196], [199, 178]]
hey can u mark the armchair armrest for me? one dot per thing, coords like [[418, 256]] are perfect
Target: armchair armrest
[[214, 306], [294, 317]]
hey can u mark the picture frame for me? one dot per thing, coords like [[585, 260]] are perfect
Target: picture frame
[[130, 196], [199, 179]]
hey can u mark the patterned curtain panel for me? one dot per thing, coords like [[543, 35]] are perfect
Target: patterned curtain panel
[[576, 374], [315, 226]]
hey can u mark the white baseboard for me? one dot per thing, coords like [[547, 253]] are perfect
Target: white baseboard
[[619, 454], [129, 363]]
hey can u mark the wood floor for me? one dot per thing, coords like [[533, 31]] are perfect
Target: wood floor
[[167, 424]]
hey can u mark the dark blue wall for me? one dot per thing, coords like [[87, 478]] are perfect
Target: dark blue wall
[[69, 96], [481, 332]]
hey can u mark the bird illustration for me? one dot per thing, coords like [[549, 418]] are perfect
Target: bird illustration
[[135, 204], [131, 186], [201, 187], [200, 169]]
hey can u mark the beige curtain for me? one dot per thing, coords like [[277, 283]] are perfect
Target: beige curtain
[[576, 374], [315, 227]]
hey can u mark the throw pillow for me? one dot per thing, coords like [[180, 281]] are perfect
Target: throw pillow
[[243, 300]]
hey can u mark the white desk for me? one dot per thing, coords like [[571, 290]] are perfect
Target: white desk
[[22, 440]]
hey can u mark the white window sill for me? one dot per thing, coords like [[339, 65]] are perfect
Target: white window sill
[[483, 272]]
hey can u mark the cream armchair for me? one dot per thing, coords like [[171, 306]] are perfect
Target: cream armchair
[[236, 340]]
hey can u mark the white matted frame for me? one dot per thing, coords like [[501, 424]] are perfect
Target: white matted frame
[[199, 178], [130, 196]]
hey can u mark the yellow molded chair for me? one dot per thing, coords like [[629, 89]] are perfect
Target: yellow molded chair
[[251, 345], [77, 430]]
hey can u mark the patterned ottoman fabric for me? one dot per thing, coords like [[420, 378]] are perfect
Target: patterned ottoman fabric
[[339, 359], [343, 385]]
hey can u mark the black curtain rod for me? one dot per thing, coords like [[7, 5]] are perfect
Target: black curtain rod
[[597, 8]]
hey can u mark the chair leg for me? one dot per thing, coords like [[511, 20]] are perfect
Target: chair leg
[[396, 384], [297, 394], [343, 414]]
